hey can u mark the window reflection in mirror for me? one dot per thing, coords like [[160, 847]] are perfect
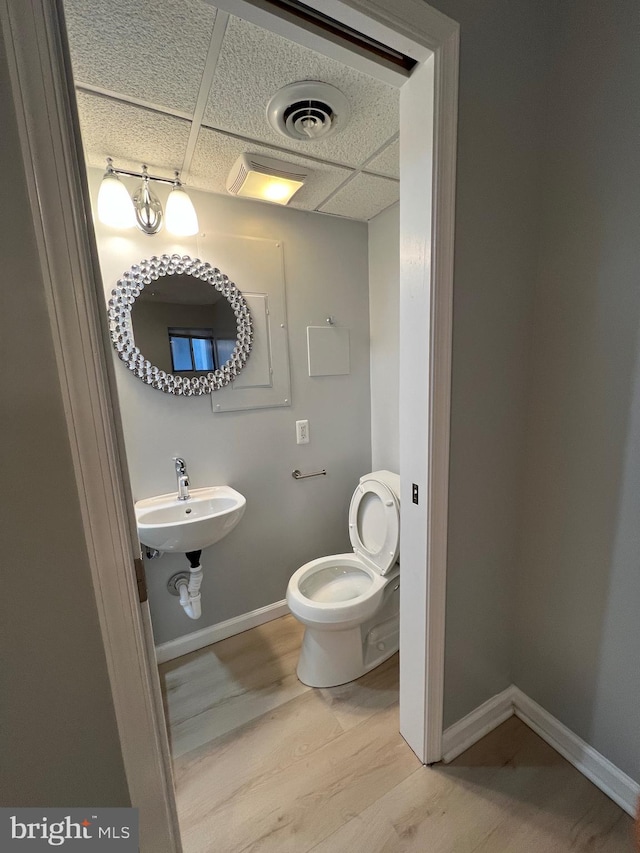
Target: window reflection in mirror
[[183, 325]]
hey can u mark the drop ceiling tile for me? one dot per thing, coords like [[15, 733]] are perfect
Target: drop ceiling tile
[[388, 161], [215, 154], [131, 135], [363, 197], [254, 64], [153, 50]]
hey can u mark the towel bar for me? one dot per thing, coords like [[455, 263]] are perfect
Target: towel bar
[[298, 475]]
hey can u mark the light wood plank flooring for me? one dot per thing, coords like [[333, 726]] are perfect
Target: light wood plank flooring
[[263, 763]]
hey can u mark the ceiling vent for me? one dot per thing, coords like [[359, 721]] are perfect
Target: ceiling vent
[[308, 110]]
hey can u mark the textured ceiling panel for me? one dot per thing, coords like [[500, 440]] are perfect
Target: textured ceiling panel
[[363, 197], [131, 135], [216, 153], [255, 63], [388, 162], [153, 50]]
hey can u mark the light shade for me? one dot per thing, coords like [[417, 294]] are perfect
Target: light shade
[[269, 188], [115, 207], [265, 178], [180, 214]]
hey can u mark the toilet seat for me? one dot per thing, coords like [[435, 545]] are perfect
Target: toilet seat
[[374, 525], [315, 600]]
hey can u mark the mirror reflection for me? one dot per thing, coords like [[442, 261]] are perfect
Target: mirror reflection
[[183, 325]]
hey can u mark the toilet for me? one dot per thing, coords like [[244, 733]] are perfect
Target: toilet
[[350, 603]]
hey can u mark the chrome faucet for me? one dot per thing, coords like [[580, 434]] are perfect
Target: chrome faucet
[[183, 478]]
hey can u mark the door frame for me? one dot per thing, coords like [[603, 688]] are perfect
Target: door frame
[[42, 90], [40, 75]]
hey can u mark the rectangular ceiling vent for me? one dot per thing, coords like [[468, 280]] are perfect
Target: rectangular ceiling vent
[[265, 178], [237, 177], [275, 167]]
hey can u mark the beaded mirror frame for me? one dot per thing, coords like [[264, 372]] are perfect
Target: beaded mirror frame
[[120, 305]]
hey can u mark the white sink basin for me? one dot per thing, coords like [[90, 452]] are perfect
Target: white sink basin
[[167, 524]]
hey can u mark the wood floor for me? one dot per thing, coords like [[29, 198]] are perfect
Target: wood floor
[[263, 763]]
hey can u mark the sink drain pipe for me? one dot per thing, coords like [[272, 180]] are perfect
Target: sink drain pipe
[[189, 591]]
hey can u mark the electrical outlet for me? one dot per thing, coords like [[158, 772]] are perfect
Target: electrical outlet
[[302, 432]]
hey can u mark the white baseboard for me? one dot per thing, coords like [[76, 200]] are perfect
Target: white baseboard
[[486, 717], [592, 764], [622, 789], [213, 633]]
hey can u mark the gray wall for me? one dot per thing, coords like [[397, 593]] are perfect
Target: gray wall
[[384, 327], [501, 98], [578, 640], [60, 744], [286, 522]]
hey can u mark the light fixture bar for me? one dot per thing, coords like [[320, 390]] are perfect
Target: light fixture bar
[[143, 174]]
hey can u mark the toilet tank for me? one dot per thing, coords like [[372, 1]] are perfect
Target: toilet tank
[[388, 478]]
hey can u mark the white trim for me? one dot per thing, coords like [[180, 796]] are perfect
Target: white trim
[[415, 428], [53, 166], [409, 26], [603, 773], [214, 633], [426, 286], [612, 781], [472, 728], [288, 27], [445, 117]]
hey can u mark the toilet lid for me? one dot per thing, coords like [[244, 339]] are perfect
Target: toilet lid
[[374, 525]]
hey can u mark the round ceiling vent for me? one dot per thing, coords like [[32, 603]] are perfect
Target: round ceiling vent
[[308, 110]]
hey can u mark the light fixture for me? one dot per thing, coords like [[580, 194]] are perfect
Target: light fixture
[[118, 209], [181, 214], [115, 207], [264, 178]]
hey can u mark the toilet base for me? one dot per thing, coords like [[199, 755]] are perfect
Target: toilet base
[[331, 658]]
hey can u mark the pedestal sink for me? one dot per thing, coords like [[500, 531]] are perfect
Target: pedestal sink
[[168, 524]]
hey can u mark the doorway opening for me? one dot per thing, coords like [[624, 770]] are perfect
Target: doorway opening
[[417, 245]]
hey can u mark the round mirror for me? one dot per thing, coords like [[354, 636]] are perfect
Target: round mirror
[[180, 325]]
